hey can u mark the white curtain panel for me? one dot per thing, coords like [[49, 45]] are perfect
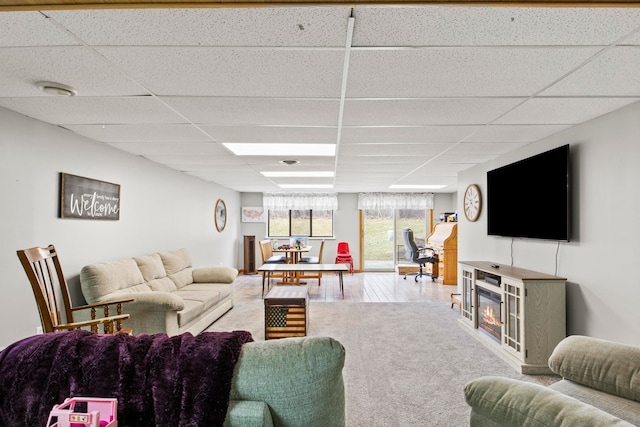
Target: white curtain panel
[[300, 201], [395, 201]]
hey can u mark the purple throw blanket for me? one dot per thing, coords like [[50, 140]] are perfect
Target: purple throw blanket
[[158, 380]]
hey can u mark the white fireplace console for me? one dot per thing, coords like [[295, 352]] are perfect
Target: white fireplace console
[[517, 313]]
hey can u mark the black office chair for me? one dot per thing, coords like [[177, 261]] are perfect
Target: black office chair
[[420, 256]]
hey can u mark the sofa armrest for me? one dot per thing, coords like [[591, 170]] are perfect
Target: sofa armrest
[[214, 275], [604, 365], [299, 378], [509, 402], [155, 300]]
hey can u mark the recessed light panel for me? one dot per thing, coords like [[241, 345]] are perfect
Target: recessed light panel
[[257, 149], [299, 174]]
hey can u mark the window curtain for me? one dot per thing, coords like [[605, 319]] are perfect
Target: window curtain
[[395, 201], [300, 201]]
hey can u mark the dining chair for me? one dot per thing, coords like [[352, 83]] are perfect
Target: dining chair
[[266, 251], [43, 269], [313, 260]]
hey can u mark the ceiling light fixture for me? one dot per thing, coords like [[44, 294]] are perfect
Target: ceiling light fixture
[[280, 149], [56, 89], [306, 186], [289, 162]]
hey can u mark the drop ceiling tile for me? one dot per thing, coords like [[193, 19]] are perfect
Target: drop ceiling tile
[[486, 148], [269, 26], [272, 134], [257, 111], [203, 71], [464, 71], [614, 73], [78, 67], [515, 133], [457, 25], [392, 150], [562, 110], [188, 160], [413, 134], [31, 29], [349, 161], [171, 148], [93, 110], [140, 133], [433, 111]]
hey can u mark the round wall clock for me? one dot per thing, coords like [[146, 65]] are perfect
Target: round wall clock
[[472, 202], [221, 215]]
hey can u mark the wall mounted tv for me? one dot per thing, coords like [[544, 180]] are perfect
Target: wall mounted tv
[[531, 198]]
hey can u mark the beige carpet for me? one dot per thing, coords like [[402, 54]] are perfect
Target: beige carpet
[[406, 363]]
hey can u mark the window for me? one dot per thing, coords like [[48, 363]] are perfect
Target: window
[[311, 223]]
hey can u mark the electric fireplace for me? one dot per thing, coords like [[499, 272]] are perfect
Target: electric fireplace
[[489, 305]]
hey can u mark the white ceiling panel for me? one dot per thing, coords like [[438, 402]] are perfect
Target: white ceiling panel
[[93, 110], [464, 71], [140, 133], [413, 134], [275, 26], [514, 133], [88, 73], [433, 111], [458, 26], [21, 29], [272, 134], [392, 149], [172, 148], [614, 73], [257, 111], [202, 71], [429, 90], [562, 110]]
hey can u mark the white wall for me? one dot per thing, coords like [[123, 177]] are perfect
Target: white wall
[[601, 261], [161, 209]]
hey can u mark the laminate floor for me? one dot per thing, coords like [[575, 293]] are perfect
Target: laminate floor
[[358, 287]]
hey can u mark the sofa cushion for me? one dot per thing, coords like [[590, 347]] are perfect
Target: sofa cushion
[[151, 267], [208, 298], [248, 413], [214, 275], [164, 284], [98, 281], [604, 365], [509, 402], [192, 310], [177, 264], [223, 289], [626, 409]]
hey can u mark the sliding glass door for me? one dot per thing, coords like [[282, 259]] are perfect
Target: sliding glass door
[[383, 244]]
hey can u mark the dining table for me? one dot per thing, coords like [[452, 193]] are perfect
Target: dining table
[[292, 256]]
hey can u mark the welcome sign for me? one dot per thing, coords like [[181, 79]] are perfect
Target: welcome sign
[[87, 198]]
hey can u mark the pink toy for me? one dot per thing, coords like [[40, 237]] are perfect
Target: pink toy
[[84, 412]]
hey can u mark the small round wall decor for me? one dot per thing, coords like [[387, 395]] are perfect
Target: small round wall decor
[[220, 215], [472, 202]]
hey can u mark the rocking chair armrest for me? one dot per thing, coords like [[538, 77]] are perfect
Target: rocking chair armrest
[[76, 325], [102, 304]]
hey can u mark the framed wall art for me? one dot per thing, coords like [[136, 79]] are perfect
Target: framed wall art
[[253, 214], [88, 198]]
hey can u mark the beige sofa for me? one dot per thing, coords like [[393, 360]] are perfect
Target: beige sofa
[[600, 386], [170, 295]]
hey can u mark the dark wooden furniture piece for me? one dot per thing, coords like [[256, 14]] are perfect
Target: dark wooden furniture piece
[[249, 255], [50, 289], [286, 310]]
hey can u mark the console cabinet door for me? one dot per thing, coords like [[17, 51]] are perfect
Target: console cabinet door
[[512, 319], [468, 297]]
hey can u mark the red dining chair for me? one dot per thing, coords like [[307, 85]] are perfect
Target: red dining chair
[[344, 255]]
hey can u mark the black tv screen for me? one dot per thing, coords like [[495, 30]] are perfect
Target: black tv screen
[[530, 198]]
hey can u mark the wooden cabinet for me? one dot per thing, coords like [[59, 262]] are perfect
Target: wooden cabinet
[[250, 254], [531, 312], [444, 241]]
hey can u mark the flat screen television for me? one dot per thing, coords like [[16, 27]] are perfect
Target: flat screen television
[[531, 198]]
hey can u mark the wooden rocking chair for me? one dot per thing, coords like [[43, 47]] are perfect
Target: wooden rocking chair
[[48, 283]]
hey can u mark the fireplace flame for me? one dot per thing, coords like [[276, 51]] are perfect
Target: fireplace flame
[[489, 317]]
